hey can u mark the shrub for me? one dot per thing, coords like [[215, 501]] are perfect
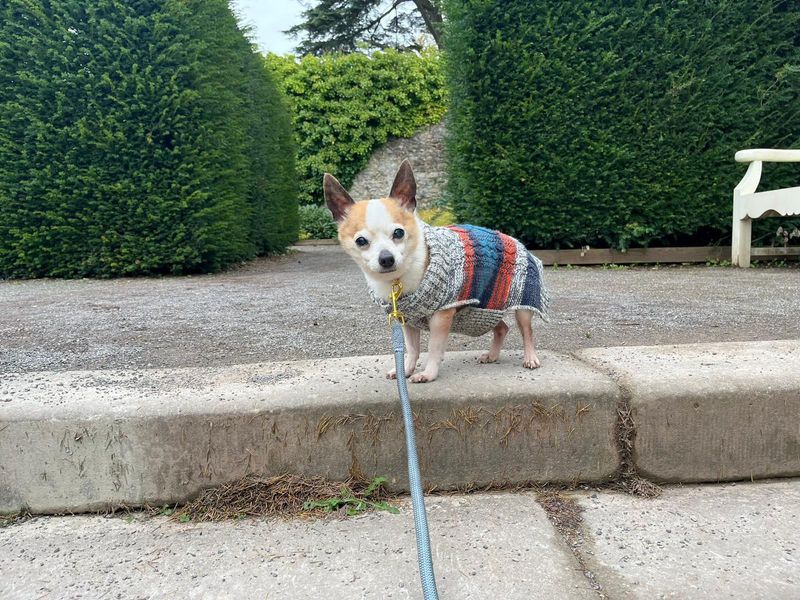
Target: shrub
[[438, 216], [615, 123], [133, 140], [346, 106], [316, 223]]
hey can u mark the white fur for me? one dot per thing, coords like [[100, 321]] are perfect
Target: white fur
[[378, 218]]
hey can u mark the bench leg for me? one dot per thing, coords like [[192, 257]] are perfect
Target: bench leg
[[740, 244]]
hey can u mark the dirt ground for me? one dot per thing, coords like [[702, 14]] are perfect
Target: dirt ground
[[313, 303]]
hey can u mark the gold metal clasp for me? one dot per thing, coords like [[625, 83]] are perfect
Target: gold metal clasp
[[397, 290]]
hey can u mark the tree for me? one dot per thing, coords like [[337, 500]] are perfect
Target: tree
[[350, 25]]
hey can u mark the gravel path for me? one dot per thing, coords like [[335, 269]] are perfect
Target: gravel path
[[313, 304]]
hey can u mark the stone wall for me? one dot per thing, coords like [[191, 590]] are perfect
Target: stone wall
[[425, 151]]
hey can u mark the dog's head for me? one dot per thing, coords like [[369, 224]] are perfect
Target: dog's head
[[381, 235]]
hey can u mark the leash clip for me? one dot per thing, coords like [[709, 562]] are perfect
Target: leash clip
[[397, 290]]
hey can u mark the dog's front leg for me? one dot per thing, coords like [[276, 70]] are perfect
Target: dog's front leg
[[440, 324], [411, 337]]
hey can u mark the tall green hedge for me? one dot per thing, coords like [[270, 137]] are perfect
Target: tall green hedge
[[345, 106], [615, 122], [137, 137], [273, 184]]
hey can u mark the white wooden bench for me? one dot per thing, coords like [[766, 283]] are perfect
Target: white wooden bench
[[749, 205]]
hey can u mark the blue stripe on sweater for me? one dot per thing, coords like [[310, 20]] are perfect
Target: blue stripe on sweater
[[532, 292], [488, 247]]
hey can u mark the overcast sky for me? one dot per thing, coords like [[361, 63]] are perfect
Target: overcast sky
[[269, 18]]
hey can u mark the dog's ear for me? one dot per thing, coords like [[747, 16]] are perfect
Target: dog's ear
[[336, 197], [404, 188]]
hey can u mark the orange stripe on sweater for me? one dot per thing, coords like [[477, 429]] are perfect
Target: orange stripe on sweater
[[469, 264], [505, 274]]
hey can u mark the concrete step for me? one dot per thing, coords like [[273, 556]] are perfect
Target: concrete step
[[83, 441]]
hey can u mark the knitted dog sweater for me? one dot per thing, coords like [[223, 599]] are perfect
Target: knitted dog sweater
[[481, 272]]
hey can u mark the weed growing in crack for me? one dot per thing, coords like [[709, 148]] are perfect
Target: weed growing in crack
[[350, 503]]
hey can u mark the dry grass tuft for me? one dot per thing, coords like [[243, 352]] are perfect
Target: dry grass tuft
[[638, 486], [280, 496], [563, 512]]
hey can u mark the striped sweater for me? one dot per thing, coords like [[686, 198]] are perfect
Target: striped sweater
[[482, 272]]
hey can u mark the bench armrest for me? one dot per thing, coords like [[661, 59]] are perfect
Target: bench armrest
[[767, 155], [757, 156]]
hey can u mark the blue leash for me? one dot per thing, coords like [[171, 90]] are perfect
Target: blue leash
[[415, 481]]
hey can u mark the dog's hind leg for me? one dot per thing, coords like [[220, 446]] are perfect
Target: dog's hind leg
[[498, 337], [524, 319]]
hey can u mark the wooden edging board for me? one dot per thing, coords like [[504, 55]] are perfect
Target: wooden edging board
[[702, 254]]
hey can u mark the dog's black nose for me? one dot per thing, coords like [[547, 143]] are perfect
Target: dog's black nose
[[386, 259]]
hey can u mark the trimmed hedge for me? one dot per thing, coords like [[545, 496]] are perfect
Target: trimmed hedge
[[273, 184], [137, 137], [615, 123], [345, 106]]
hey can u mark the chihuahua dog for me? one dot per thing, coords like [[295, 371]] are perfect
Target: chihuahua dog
[[461, 278]]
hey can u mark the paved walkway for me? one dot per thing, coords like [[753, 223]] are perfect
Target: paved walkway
[[721, 541]]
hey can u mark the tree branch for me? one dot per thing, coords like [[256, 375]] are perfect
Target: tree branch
[[432, 17], [377, 21], [333, 24]]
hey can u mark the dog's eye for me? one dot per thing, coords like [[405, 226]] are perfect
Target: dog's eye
[[398, 234], [361, 241]]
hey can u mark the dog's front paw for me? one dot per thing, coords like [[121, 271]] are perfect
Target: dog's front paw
[[531, 362], [423, 377], [393, 373], [487, 358]]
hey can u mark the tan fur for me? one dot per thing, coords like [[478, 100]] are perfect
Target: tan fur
[[399, 214], [406, 220], [356, 217]]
